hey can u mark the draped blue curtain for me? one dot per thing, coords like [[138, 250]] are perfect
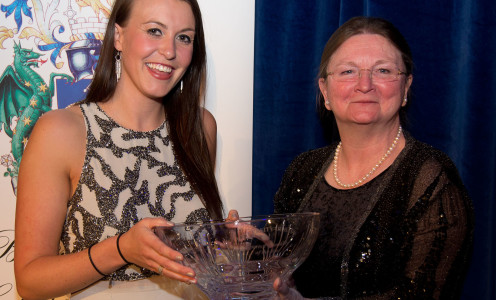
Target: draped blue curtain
[[453, 106]]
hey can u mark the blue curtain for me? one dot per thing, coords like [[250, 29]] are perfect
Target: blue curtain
[[453, 106]]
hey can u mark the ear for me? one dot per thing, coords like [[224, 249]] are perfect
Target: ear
[[323, 90], [407, 88], [118, 37]]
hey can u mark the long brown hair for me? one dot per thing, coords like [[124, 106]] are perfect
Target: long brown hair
[[183, 109], [362, 25]]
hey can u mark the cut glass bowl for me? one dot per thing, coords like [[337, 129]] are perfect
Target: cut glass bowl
[[241, 259]]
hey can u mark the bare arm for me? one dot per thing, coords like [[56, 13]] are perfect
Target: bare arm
[[210, 130], [49, 170], [43, 190]]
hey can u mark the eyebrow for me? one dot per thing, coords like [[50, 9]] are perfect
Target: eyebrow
[[350, 63], [165, 26]]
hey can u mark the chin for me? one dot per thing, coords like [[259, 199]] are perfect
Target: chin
[[158, 94], [365, 119]]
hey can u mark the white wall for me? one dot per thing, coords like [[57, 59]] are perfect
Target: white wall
[[229, 30]]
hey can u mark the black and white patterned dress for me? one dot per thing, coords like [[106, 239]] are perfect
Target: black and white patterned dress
[[126, 176]]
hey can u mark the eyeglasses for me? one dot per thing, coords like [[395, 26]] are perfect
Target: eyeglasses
[[378, 74]]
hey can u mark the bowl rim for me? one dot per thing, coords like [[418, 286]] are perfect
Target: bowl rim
[[246, 219]]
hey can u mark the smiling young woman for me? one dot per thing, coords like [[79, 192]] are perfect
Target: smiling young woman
[[137, 153]]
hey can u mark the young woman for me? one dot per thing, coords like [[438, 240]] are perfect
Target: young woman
[[139, 152]]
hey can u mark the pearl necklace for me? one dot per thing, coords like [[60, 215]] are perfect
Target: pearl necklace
[[364, 178]]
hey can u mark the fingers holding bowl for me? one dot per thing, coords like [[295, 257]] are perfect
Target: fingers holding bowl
[[171, 260], [232, 216], [171, 272], [134, 246], [171, 264], [284, 292], [141, 246], [244, 233]]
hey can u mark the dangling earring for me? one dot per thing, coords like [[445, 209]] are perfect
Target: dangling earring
[[181, 89], [118, 65]]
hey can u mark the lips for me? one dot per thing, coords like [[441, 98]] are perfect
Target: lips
[[160, 71], [159, 67], [364, 101]]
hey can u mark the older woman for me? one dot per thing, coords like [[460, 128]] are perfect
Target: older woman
[[396, 219], [97, 177]]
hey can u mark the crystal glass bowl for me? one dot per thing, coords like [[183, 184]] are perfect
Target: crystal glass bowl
[[241, 259]]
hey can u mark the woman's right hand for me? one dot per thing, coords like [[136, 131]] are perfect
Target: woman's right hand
[[142, 247], [243, 231]]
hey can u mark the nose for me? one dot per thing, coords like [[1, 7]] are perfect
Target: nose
[[364, 83], [168, 47], [360, 73]]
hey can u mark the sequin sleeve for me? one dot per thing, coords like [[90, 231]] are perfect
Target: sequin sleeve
[[424, 251], [442, 236], [298, 178]]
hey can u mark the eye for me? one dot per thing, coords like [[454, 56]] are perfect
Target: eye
[[384, 71], [184, 38], [154, 31], [346, 72]]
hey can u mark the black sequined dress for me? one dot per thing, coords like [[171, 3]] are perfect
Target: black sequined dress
[[406, 234]]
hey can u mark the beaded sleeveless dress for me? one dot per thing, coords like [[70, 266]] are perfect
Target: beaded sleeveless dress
[[127, 176]]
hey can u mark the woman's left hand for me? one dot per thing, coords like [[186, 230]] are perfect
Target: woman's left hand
[[284, 292]]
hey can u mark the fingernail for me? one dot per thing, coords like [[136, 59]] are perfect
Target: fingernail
[[190, 274], [191, 282], [179, 258]]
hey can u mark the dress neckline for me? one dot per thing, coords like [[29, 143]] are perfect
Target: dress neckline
[[159, 128], [363, 186]]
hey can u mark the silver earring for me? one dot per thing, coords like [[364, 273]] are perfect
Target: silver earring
[[118, 65], [181, 89], [405, 100], [327, 102]]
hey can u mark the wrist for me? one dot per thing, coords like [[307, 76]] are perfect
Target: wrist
[[93, 263], [119, 249]]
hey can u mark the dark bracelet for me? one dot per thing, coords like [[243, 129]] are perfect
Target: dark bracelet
[[92, 263], [119, 250]]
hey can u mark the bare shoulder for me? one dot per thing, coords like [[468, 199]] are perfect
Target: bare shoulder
[[208, 119], [61, 124], [210, 131], [69, 116], [58, 132]]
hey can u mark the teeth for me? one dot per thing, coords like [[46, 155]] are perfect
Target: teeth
[[159, 67]]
